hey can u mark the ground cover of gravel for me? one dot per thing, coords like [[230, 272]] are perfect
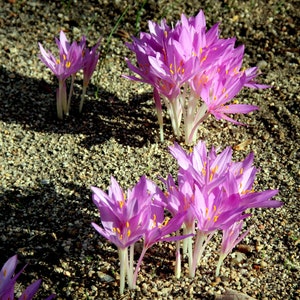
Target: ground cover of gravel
[[47, 166]]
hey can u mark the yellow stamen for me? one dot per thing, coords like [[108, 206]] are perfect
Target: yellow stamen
[[68, 64], [206, 211], [216, 218], [128, 233], [203, 59]]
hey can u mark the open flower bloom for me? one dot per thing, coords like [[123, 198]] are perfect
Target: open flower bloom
[[69, 62], [193, 70], [8, 281], [124, 217], [72, 58]]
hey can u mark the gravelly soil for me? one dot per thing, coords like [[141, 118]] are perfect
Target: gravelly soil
[[47, 166]]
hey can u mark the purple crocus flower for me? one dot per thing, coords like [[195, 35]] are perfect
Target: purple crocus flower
[[231, 237], [68, 63], [90, 60], [159, 229], [125, 219], [187, 65], [8, 281], [216, 190]]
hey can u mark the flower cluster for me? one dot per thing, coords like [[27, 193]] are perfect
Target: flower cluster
[[72, 58], [7, 282], [195, 72], [126, 218], [212, 194]]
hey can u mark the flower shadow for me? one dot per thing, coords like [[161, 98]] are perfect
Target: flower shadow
[[45, 237], [31, 102]]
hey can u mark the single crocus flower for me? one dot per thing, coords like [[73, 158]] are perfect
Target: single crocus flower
[[159, 229], [231, 237], [90, 59], [68, 63], [125, 220]]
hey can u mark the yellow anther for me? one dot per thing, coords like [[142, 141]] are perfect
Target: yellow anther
[[216, 218], [241, 171], [121, 203], [68, 64], [215, 208], [213, 171], [166, 221], [171, 69], [206, 211], [166, 33], [127, 224], [58, 61], [128, 233], [64, 57], [203, 59], [200, 50]]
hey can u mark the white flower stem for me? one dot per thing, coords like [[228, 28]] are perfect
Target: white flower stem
[[70, 94], [178, 258], [84, 87], [130, 282], [123, 256]]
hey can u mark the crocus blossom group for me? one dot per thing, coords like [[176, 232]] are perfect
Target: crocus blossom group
[[193, 71], [126, 218], [8, 281], [212, 194], [72, 58]]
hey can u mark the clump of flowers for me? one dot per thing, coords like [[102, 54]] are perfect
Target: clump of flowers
[[126, 218], [212, 194], [8, 281], [193, 71], [215, 191], [72, 58]]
